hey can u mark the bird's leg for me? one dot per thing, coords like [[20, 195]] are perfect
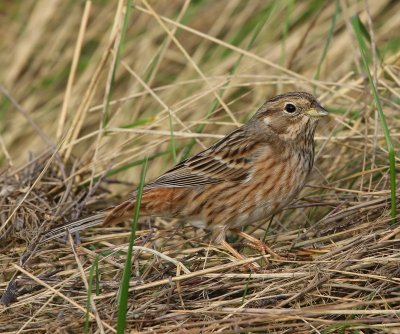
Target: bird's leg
[[232, 250], [254, 266], [219, 238], [77, 237], [257, 244]]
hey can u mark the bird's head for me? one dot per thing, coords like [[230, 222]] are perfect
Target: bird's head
[[290, 115]]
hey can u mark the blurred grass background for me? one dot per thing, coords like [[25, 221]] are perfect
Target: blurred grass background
[[305, 45]]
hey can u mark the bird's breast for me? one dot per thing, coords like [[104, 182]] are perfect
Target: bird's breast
[[275, 181]]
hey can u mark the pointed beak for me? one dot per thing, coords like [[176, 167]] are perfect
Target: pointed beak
[[317, 111]]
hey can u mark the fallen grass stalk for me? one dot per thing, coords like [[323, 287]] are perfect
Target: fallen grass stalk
[[66, 298]]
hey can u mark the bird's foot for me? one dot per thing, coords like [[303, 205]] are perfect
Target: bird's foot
[[263, 248], [258, 245], [252, 267]]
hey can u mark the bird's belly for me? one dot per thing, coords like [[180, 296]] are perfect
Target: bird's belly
[[246, 218]]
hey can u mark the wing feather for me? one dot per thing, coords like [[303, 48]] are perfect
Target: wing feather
[[226, 160]]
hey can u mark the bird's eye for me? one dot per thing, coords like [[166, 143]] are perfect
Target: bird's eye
[[290, 108]]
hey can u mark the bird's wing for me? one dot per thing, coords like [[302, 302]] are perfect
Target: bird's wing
[[227, 160]]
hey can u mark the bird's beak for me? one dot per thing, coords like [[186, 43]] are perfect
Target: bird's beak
[[317, 111]]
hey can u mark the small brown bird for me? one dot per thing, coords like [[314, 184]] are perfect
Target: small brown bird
[[249, 175]]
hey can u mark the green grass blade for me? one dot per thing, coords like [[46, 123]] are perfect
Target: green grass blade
[[172, 139], [138, 122], [328, 40], [127, 166], [355, 21], [364, 32], [362, 36], [267, 229], [124, 287], [106, 116], [286, 28], [96, 263], [132, 164], [89, 297]]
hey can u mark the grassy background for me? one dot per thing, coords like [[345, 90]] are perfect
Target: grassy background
[[169, 79]]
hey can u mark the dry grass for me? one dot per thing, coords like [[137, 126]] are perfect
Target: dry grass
[[66, 155]]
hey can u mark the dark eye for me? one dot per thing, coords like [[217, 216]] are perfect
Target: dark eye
[[290, 108]]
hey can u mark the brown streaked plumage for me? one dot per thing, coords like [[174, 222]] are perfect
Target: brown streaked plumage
[[250, 174]]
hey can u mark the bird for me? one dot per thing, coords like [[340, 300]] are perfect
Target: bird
[[250, 174]]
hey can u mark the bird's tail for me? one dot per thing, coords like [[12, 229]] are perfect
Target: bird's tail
[[113, 216], [75, 226]]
